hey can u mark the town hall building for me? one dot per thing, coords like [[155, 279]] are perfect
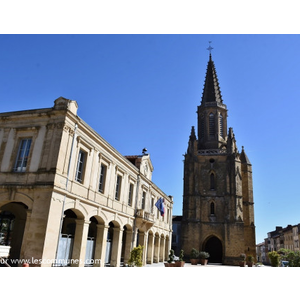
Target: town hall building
[[218, 207], [68, 198]]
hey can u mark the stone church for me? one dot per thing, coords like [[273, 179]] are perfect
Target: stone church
[[218, 208]]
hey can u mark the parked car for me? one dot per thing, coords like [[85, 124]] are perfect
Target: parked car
[[284, 263]]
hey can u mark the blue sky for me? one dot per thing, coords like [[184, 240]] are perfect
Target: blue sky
[[141, 91]]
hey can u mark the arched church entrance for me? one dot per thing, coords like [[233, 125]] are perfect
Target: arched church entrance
[[214, 247]]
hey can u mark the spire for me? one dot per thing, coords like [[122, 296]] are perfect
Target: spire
[[193, 134], [244, 157], [192, 142], [211, 90]]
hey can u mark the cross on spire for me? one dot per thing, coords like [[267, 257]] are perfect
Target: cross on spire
[[209, 48]]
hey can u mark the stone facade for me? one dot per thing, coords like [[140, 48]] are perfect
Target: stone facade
[[261, 255], [176, 234], [287, 238], [67, 197], [218, 207]]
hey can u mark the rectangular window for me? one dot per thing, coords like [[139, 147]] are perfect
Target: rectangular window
[[152, 204], [130, 195], [143, 200], [118, 187], [102, 177], [80, 166], [22, 157]]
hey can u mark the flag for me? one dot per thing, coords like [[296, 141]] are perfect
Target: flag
[[160, 205]]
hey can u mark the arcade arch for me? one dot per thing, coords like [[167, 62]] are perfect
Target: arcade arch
[[13, 216]]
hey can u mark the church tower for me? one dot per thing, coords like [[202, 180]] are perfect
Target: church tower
[[218, 208]]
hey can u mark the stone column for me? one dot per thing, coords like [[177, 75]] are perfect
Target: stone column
[[156, 249], [26, 230], [150, 249], [100, 247], [79, 247], [162, 249], [143, 240], [134, 237], [116, 247], [128, 240]]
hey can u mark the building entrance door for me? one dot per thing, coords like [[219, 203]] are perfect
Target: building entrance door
[[214, 247]]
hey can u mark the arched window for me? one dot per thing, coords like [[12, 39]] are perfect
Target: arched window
[[202, 127], [211, 125], [212, 181], [212, 208], [221, 125]]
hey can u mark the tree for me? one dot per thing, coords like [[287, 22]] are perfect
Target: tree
[[293, 257], [136, 257], [274, 258]]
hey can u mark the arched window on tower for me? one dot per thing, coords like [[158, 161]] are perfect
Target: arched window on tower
[[202, 127], [221, 125], [212, 208], [211, 125], [212, 181]]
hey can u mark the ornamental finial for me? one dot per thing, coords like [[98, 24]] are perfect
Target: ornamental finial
[[209, 48]]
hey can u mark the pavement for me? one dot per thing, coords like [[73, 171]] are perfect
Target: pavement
[[188, 265]]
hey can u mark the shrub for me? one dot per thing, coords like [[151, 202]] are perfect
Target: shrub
[[181, 255], [171, 256], [293, 257], [243, 257], [136, 257], [203, 255], [194, 253], [274, 258], [250, 258]]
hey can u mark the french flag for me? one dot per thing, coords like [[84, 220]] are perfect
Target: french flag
[[160, 205]]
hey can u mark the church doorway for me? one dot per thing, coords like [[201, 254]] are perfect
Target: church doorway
[[214, 247]]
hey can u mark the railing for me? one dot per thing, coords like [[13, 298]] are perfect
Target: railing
[[212, 151], [141, 213]]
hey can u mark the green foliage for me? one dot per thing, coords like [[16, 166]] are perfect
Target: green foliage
[[136, 257], [274, 258], [171, 256], [203, 255], [181, 255], [293, 257], [194, 253], [243, 257], [250, 258]]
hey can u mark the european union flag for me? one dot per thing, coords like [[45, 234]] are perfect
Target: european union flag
[[160, 205]]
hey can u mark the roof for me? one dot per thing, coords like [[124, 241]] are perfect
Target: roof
[[244, 157], [176, 218], [211, 90]]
